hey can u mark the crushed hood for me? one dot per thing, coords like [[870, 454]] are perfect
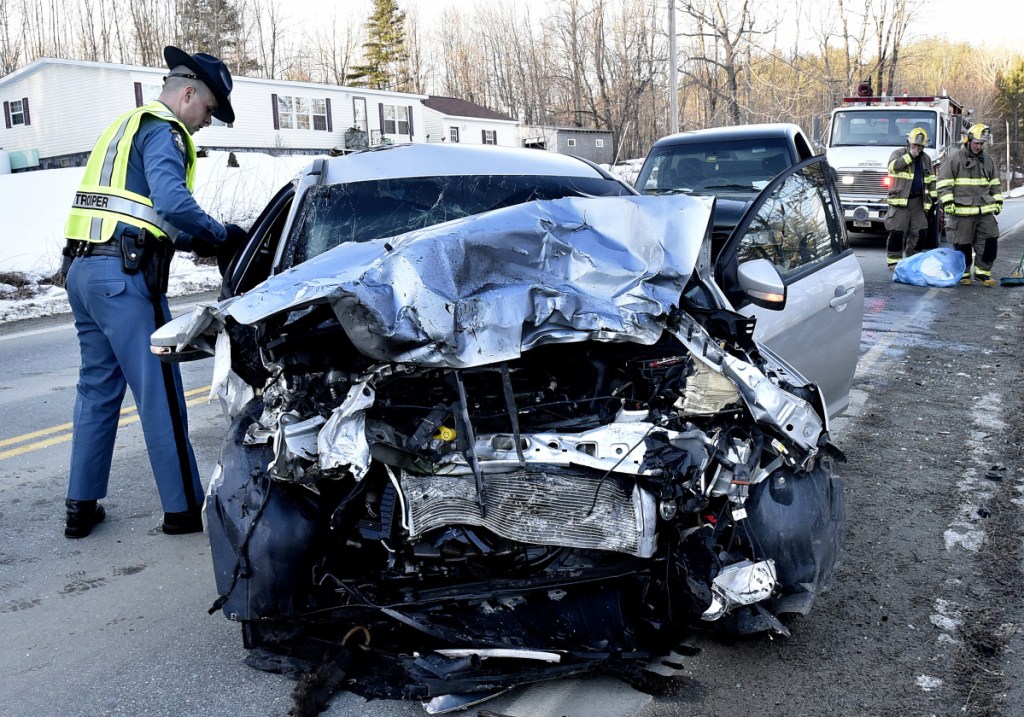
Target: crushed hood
[[485, 288]]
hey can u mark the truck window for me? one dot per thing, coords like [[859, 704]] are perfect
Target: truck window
[[884, 126]]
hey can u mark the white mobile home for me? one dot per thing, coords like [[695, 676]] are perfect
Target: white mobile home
[[56, 109]]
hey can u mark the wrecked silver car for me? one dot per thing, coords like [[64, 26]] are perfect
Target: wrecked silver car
[[533, 435]]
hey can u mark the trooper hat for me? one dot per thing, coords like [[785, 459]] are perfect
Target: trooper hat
[[212, 72]]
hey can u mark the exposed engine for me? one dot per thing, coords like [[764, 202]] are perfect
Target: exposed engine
[[584, 499]]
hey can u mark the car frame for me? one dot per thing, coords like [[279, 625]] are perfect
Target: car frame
[[345, 371]]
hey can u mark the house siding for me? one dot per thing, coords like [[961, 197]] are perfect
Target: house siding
[[470, 128], [105, 91]]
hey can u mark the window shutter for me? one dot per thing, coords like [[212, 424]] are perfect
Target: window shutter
[[381, 108], [7, 114], [24, 107], [410, 122], [330, 124], [483, 136], [277, 117], [138, 94]]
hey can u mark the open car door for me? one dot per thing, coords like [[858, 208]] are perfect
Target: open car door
[[796, 225], [252, 264]]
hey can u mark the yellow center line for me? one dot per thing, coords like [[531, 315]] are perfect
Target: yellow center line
[[129, 415]]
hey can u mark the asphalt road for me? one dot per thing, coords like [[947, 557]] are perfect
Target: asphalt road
[[117, 624]]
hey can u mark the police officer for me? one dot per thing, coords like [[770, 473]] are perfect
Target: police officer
[[132, 210], [911, 196], [970, 194]]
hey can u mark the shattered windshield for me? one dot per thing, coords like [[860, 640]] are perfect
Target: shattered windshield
[[739, 168], [361, 211]]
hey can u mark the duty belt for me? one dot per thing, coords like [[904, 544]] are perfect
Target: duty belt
[[108, 248]]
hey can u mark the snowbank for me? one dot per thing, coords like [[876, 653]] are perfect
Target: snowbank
[[36, 205]]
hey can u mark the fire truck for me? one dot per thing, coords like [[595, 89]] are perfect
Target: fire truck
[[865, 130]]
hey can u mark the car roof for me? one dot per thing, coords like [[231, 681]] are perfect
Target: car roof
[[737, 132], [433, 160]]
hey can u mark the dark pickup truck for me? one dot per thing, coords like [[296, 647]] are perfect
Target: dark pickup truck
[[731, 163]]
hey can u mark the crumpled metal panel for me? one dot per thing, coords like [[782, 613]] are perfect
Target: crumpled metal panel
[[342, 442], [485, 288], [540, 507], [743, 583]]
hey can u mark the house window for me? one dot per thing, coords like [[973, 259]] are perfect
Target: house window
[[16, 112], [453, 134], [570, 142], [144, 93], [490, 136], [311, 113], [396, 119], [599, 143]]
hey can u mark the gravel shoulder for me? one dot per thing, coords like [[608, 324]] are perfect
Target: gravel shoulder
[[925, 617]]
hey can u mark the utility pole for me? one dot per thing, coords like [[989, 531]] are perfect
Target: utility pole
[[673, 71]]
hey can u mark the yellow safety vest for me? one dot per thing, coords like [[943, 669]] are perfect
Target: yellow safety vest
[[102, 199]]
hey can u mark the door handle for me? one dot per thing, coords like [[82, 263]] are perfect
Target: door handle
[[842, 297]]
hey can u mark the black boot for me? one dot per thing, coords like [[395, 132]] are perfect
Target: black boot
[[183, 523], [83, 516], [893, 249]]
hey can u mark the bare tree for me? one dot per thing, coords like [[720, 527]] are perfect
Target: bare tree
[[10, 49], [721, 32], [152, 23], [573, 35], [332, 50], [267, 31], [890, 19]]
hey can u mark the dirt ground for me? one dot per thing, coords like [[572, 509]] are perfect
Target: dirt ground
[[926, 615]]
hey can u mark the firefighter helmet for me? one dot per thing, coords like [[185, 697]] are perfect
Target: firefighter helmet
[[918, 135], [978, 133]]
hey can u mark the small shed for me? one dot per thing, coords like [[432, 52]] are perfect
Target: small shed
[[592, 144]]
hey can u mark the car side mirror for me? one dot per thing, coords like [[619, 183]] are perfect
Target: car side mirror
[[760, 282], [165, 340]]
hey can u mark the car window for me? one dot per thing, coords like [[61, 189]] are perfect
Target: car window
[[795, 228], [252, 263], [362, 211], [739, 168]]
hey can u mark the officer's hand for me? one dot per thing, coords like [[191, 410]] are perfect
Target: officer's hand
[[237, 237], [999, 208], [203, 248]]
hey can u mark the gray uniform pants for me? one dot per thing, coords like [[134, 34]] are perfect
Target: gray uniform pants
[[980, 233]]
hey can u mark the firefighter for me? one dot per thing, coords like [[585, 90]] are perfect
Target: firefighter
[[132, 210], [911, 197], [969, 191]]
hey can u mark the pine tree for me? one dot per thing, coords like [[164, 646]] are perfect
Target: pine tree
[[212, 26], [386, 54]]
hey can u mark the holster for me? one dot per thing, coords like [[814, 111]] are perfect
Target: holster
[[134, 246], [67, 255], [157, 267], [142, 251]]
